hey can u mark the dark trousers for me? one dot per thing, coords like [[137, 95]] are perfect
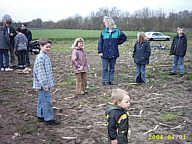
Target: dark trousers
[[21, 57], [27, 57], [12, 54], [5, 53]]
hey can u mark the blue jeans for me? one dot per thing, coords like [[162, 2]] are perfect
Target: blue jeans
[[108, 69], [27, 56], [5, 53], [44, 108], [140, 73], [177, 59]]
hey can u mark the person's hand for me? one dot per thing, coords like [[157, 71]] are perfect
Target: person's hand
[[114, 141], [46, 89], [80, 68], [100, 54], [11, 34]]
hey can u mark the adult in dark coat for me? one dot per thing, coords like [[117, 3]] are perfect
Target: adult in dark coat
[[12, 33], [28, 34], [4, 47], [178, 49], [141, 56]]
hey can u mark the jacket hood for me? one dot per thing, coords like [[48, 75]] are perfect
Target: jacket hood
[[76, 41], [111, 107], [183, 35]]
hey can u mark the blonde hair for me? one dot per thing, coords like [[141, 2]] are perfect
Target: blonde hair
[[75, 44], [109, 21], [117, 95], [141, 35]]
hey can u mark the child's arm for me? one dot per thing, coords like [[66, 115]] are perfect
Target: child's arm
[[172, 47], [74, 58], [134, 49], [147, 51]]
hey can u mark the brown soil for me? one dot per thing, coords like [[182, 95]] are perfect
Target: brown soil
[[163, 105]]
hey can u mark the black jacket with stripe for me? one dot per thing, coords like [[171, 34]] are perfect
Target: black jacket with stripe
[[118, 123]]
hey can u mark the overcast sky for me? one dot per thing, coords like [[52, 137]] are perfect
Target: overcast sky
[[26, 10]]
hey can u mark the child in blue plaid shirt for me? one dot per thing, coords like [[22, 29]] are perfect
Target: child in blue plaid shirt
[[43, 80]]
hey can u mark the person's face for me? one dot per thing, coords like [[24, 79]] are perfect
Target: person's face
[[46, 48], [7, 25], [180, 31], [23, 27], [106, 25], [125, 103], [80, 44]]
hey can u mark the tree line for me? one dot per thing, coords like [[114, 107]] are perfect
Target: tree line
[[141, 20]]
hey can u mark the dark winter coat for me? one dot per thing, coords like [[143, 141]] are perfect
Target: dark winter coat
[[27, 33], [4, 39], [108, 43], [118, 123], [141, 52], [11, 37], [179, 46]]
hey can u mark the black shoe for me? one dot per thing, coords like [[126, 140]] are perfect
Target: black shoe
[[111, 83], [104, 83], [172, 73], [181, 75], [40, 119], [52, 122], [28, 65]]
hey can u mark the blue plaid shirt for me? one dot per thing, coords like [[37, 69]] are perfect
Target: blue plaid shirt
[[42, 72]]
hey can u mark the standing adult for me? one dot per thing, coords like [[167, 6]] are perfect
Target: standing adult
[[4, 47], [12, 33], [178, 49], [108, 43], [28, 34]]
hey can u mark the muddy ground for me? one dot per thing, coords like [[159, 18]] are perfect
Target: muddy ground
[[161, 109]]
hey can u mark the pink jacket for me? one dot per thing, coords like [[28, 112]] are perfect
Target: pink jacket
[[79, 59]]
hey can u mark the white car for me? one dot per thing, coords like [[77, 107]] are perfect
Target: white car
[[157, 36]]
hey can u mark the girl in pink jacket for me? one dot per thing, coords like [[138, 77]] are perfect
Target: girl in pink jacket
[[79, 62]]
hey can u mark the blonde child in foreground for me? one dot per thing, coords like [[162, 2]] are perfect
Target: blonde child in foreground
[[117, 117], [79, 61]]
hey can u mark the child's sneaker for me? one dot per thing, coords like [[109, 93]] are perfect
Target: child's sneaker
[[8, 69], [2, 69], [52, 122], [40, 119]]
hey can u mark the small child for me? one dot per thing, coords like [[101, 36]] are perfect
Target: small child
[[178, 49], [43, 80], [79, 62], [141, 54], [20, 45], [117, 117]]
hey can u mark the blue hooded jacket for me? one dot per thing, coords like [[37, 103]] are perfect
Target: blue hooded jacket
[[142, 52], [109, 41]]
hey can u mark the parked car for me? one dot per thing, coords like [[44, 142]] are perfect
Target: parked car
[[157, 36]]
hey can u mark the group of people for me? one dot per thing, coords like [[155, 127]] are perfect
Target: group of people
[[116, 113], [14, 42]]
